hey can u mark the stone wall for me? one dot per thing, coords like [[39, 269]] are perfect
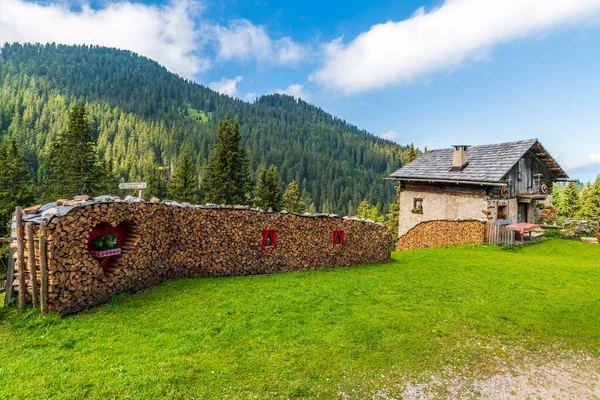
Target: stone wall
[[168, 241], [442, 233], [441, 203]]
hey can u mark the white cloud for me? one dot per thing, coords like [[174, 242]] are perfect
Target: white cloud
[[242, 40], [595, 157], [250, 97], [297, 90], [289, 52], [441, 39], [391, 135], [166, 33], [226, 86]]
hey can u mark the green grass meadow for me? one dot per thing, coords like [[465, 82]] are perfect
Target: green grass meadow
[[312, 334]]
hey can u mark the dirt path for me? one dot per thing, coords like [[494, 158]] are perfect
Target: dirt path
[[569, 376]]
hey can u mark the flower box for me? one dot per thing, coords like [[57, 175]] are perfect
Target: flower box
[[105, 253]]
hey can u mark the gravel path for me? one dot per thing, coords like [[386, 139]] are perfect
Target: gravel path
[[569, 376]]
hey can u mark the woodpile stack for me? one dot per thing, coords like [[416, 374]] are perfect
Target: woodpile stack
[[548, 213], [442, 233], [165, 241]]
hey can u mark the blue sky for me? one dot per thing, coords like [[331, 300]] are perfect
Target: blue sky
[[433, 73]]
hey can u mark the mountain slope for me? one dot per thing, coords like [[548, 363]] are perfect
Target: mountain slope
[[587, 173], [145, 115]]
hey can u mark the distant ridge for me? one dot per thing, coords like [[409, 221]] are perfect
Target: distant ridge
[[587, 173], [144, 115]]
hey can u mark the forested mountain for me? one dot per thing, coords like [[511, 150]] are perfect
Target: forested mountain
[[144, 115]]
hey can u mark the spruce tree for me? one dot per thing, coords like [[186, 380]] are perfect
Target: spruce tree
[[367, 211], [16, 184], [268, 192], [590, 201], [411, 154], [570, 203], [292, 200], [73, 160], [309, 204], [156, 184], [393, 216], [228, 178], [183, 185], [110, 180]]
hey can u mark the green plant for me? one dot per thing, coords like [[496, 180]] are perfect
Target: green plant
[[107, 241], [417, 210]]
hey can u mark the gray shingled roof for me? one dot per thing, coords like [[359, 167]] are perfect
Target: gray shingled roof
[[487, 163]]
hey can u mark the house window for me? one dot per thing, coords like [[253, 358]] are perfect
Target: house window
[[338, 238], [417, 206], [269, 239], [501, 213]]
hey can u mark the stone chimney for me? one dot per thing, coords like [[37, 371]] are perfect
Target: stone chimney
[[459, 158]]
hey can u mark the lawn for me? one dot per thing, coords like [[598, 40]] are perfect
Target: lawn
[[312, 334]]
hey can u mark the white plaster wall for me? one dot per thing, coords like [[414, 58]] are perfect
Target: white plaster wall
[[437, 204]]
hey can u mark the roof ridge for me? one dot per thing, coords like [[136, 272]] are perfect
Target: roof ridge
[[489, 144]]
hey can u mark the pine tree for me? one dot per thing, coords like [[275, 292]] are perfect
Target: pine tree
[[411, 154], [309, 204], [73, 160], [110, 180], [590, 200], [16, 185], [292, 200], [156, 184], [570, 202], [268, 192], [367, 211], [228, 177], [393, 216], [183, 185]]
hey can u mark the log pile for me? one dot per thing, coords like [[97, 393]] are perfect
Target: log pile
[[442, 233], [166, 241]]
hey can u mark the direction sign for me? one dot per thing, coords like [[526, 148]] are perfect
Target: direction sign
[[133, 185]]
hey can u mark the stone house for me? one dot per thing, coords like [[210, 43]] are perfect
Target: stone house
[[505, 181]]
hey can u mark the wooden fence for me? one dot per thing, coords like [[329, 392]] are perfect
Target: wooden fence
[[498, 234], [25, 240]]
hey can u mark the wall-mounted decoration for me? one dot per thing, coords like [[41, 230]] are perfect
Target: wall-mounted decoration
[[269, 239], [338, 238]]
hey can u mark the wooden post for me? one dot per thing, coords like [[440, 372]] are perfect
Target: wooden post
[[32, 267], [20, 256], [43, 270], [10, 276]]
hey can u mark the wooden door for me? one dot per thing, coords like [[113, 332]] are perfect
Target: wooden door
[[522, 213]]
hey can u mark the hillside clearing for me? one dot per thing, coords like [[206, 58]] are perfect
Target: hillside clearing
[[373, 330]]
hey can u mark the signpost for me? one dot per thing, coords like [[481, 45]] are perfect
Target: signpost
[[134, 185]]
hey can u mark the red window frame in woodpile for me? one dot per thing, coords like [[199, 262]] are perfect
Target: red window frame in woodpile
[[265, 235], [104, 228], [335, 235]]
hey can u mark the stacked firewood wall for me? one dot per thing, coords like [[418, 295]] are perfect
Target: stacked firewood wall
[[164, 242], [441, 233]]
